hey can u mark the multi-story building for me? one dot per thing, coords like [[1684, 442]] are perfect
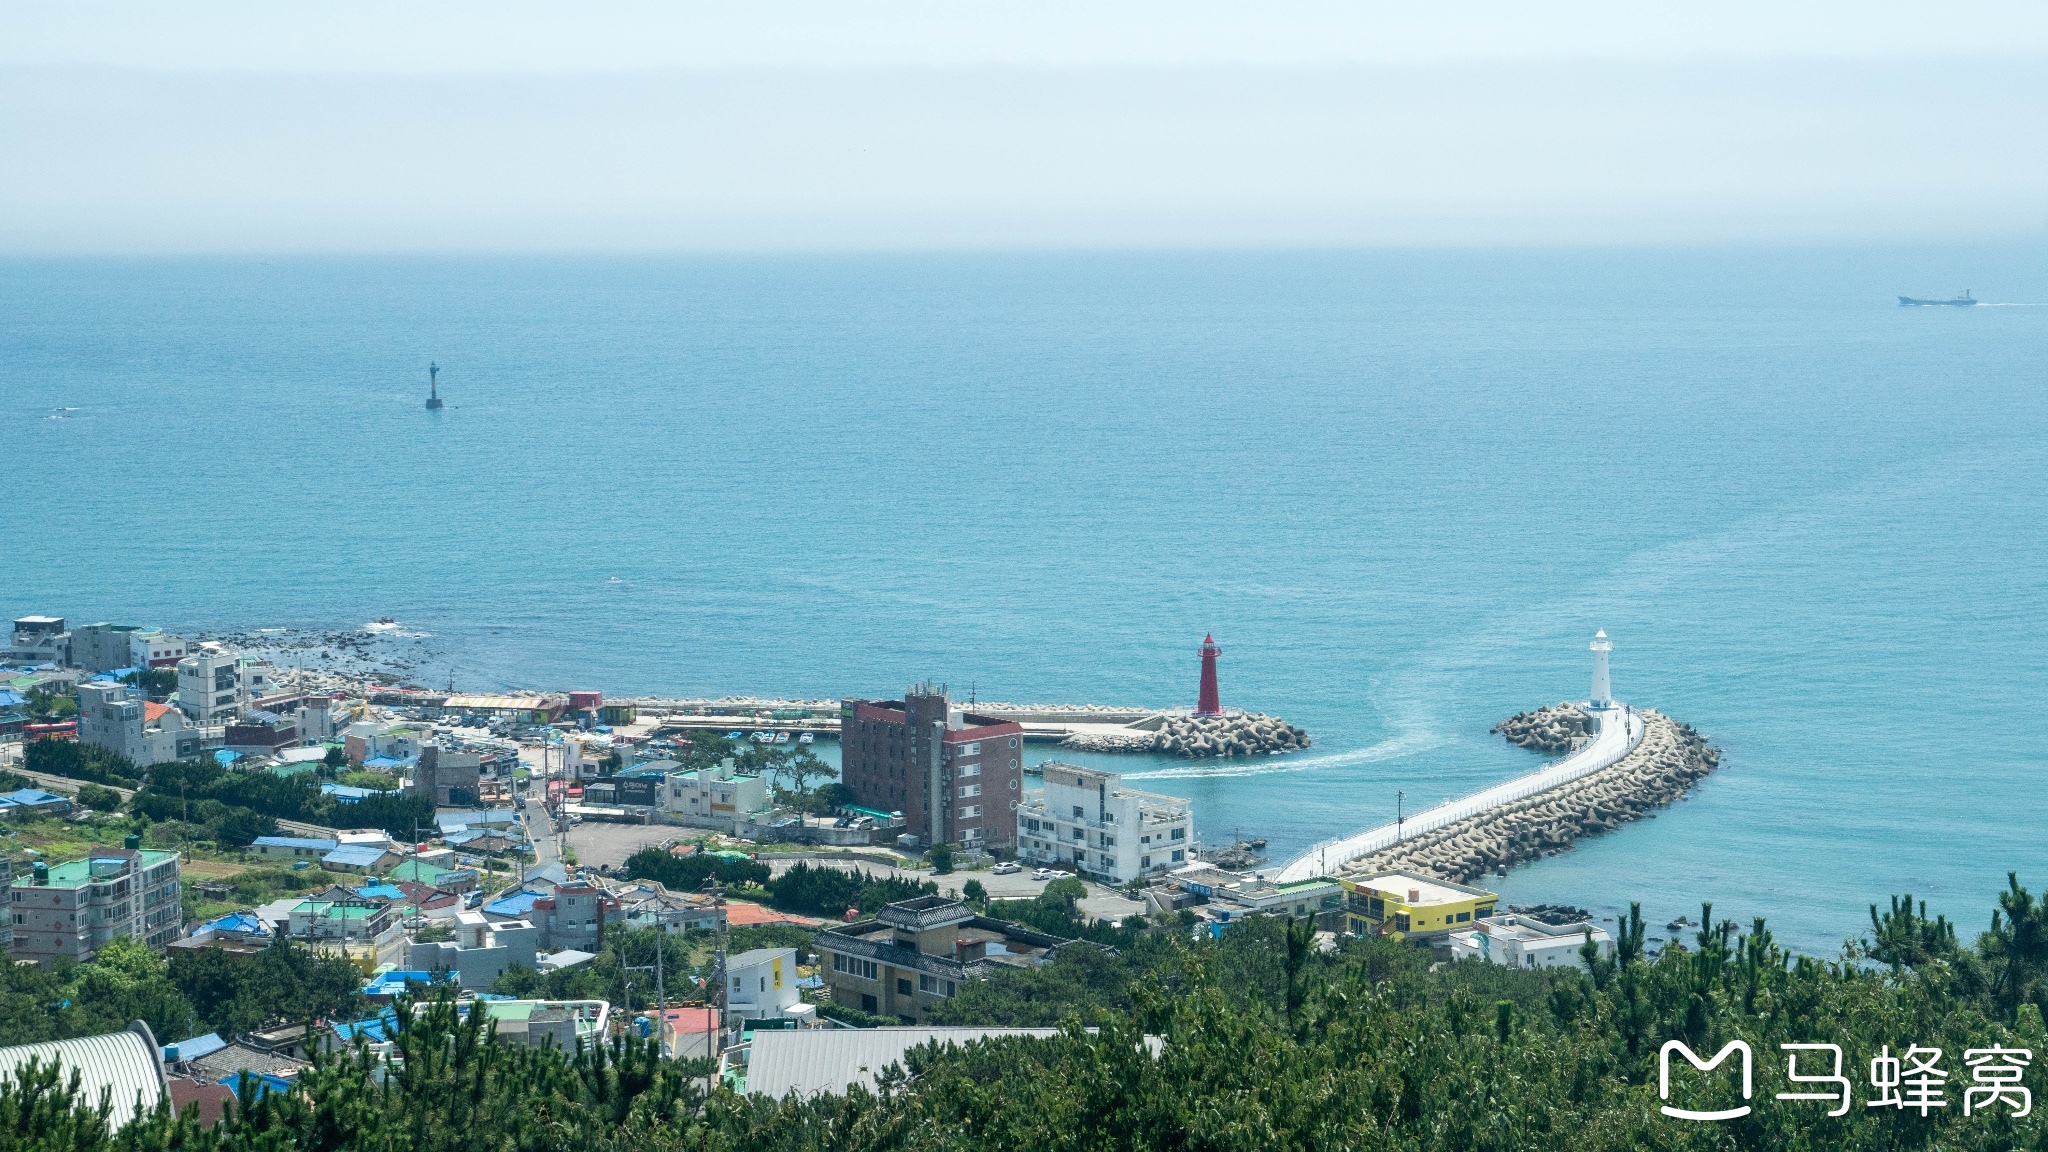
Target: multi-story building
[[447, 777], [210, 686], [118, 718], [957, 777], [1087, 820], [1409, 906], [72, 910], [261, 732], [711, 797], [103, 647], [1522, 941], [761, 985], [40, 640], [914, 953]]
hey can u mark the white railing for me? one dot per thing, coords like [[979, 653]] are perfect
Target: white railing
[[1602, 752]]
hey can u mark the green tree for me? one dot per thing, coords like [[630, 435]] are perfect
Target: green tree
[[941, 856]]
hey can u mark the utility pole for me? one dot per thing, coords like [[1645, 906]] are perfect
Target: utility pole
[[714, 1024], [1398, 818]]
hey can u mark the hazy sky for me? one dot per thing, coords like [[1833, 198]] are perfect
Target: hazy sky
[[834, 125]]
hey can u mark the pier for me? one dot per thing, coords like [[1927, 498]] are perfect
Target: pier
[[1620, 731], [1634, 761]]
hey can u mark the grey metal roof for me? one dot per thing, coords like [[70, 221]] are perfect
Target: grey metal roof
[[813, 1060], [128, 1065]]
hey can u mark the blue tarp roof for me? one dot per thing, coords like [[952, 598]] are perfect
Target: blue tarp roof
[[376, 762], [517, 904], [381, 892], [237, 922], [9, 698], [296, 842], [344, 792], [354, 855], [393, 982], [196, 1046], [376, 1029], [32, 796]]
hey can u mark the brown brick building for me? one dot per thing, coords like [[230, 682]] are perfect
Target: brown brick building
[[956, 777]]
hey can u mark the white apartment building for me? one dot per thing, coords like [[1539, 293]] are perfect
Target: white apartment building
[[154, 648], [1525, 942], [713, 798], [210, 686], [761, 985], [1086, 820]]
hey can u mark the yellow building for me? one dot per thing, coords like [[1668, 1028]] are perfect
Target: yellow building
[[1405, 905]]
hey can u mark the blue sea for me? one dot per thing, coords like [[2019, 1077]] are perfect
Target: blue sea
[[1402, 488]]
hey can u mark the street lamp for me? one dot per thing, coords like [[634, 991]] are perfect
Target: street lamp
[[1398, 817]]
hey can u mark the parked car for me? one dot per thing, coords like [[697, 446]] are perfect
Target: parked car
[[1043, 874], [1007, 868]]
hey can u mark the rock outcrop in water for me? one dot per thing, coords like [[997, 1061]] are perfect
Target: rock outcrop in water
[[1671, 758], [1552, 728], [1198, 737]]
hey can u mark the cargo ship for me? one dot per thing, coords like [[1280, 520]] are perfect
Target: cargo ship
[[1963, 301]]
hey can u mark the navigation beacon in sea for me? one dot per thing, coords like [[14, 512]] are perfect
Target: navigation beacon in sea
[[433, 388]]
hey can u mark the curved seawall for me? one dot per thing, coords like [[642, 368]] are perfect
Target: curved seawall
[[1594, 790]]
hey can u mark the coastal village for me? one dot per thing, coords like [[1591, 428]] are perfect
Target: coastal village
[[571, 866]]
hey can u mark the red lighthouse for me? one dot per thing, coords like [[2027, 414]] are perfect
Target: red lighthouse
[[1209, 704]]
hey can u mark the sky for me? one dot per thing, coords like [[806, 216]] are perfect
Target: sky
[[787, 125]]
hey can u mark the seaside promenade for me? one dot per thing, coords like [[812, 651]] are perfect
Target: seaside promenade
[[1621, 730]]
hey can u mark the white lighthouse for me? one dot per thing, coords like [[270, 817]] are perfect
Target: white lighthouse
[[1603, 697]]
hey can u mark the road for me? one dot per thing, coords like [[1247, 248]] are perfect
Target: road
[[540, 830]]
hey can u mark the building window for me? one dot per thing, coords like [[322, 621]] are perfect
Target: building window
[[969, 770], [1080, 813], [1109, 841], [969, 750], [1013, 744], [1080, 835], [902, 987], [970, 811], [1145, 863], [1178, 834], [966, 790], [1179, 855]]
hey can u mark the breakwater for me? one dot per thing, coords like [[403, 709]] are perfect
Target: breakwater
[[1197, 737], [1668, 760], [1551, 728]]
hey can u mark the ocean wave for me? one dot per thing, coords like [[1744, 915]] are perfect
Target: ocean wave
[[1401, 744]]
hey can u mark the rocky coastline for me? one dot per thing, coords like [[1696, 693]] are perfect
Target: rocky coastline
[[1200, 737], [1670, 760]]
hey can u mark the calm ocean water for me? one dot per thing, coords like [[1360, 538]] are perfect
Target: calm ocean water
[[1402, 489]]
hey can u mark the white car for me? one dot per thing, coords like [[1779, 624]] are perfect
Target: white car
[[1044, 874], [1007, 867]]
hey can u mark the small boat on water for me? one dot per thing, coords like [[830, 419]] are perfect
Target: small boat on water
[[807, 738], [782, 737], [1964, 301]]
